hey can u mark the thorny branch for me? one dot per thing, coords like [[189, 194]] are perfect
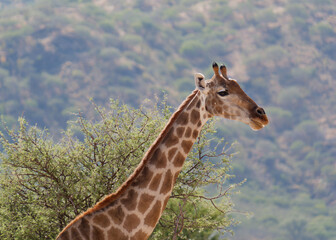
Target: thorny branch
[[179, 222], [211, 199]]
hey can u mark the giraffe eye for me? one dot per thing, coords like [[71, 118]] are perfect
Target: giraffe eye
[[223, 93]]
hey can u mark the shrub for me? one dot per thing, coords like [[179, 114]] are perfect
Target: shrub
[[44, 184], [297, 10], [192, 49]]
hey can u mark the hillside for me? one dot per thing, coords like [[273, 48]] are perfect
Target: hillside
[[55, 55]]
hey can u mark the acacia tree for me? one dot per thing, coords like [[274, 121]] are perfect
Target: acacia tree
[[45, 183]]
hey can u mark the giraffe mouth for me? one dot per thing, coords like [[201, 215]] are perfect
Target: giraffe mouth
[[257, 124]]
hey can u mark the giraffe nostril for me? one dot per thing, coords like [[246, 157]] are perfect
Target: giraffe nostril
[[260, 111]]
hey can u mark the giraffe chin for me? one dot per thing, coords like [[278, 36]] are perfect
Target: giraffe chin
[[254, 125]]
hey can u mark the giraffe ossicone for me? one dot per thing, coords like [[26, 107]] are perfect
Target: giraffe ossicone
[[132, 212]]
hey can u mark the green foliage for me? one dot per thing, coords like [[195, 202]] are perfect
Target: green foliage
[[45, 183], [109, 54], [322, 227], [301, 26], [190, 27], [192, 49], [290, 98], [309, 131], [222, 12], [107, 26], [296, 229], [280, 118], [320, 2], [184, 84], [323, 30], [323, 35], [275, 53], [265, 16], [54, 55], [297, 10], [217, 48], [302, 74]]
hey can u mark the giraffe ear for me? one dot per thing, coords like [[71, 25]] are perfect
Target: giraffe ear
[[199, 81]]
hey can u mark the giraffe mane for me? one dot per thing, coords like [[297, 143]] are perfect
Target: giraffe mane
[[107, 200]]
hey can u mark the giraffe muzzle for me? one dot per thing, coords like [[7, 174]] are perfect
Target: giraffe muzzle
[[259, 119]]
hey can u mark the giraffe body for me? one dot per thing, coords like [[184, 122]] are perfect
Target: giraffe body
[[134, 210]]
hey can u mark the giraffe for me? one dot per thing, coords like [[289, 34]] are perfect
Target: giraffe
[[132, 212]]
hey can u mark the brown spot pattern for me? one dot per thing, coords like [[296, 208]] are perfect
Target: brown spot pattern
[[131, 222], [188, 132], [158, 159], [143, 179], [195, 116], [140, 235], [175, 176], [170, 139], [131, 201], [116, 234], [155, 182], [198, 104], [179, 160], [145, 201], [171, 153], [75, 234], [165, 203], [113, 203], [180, 131], [192, 104], [183, 118], [101, 220], [195, 134], [117, 215], [98, 233], [186, 145], [64, 236], [167, 183], [154, 215]]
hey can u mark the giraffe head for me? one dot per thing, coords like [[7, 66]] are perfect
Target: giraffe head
[[224, 97]]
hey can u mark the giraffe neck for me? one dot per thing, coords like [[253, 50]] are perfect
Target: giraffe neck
[[133, 212]]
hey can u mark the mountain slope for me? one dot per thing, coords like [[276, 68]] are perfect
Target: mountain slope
[[56, 55]]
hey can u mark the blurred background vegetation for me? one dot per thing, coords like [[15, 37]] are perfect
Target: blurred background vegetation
[[55, 55]]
